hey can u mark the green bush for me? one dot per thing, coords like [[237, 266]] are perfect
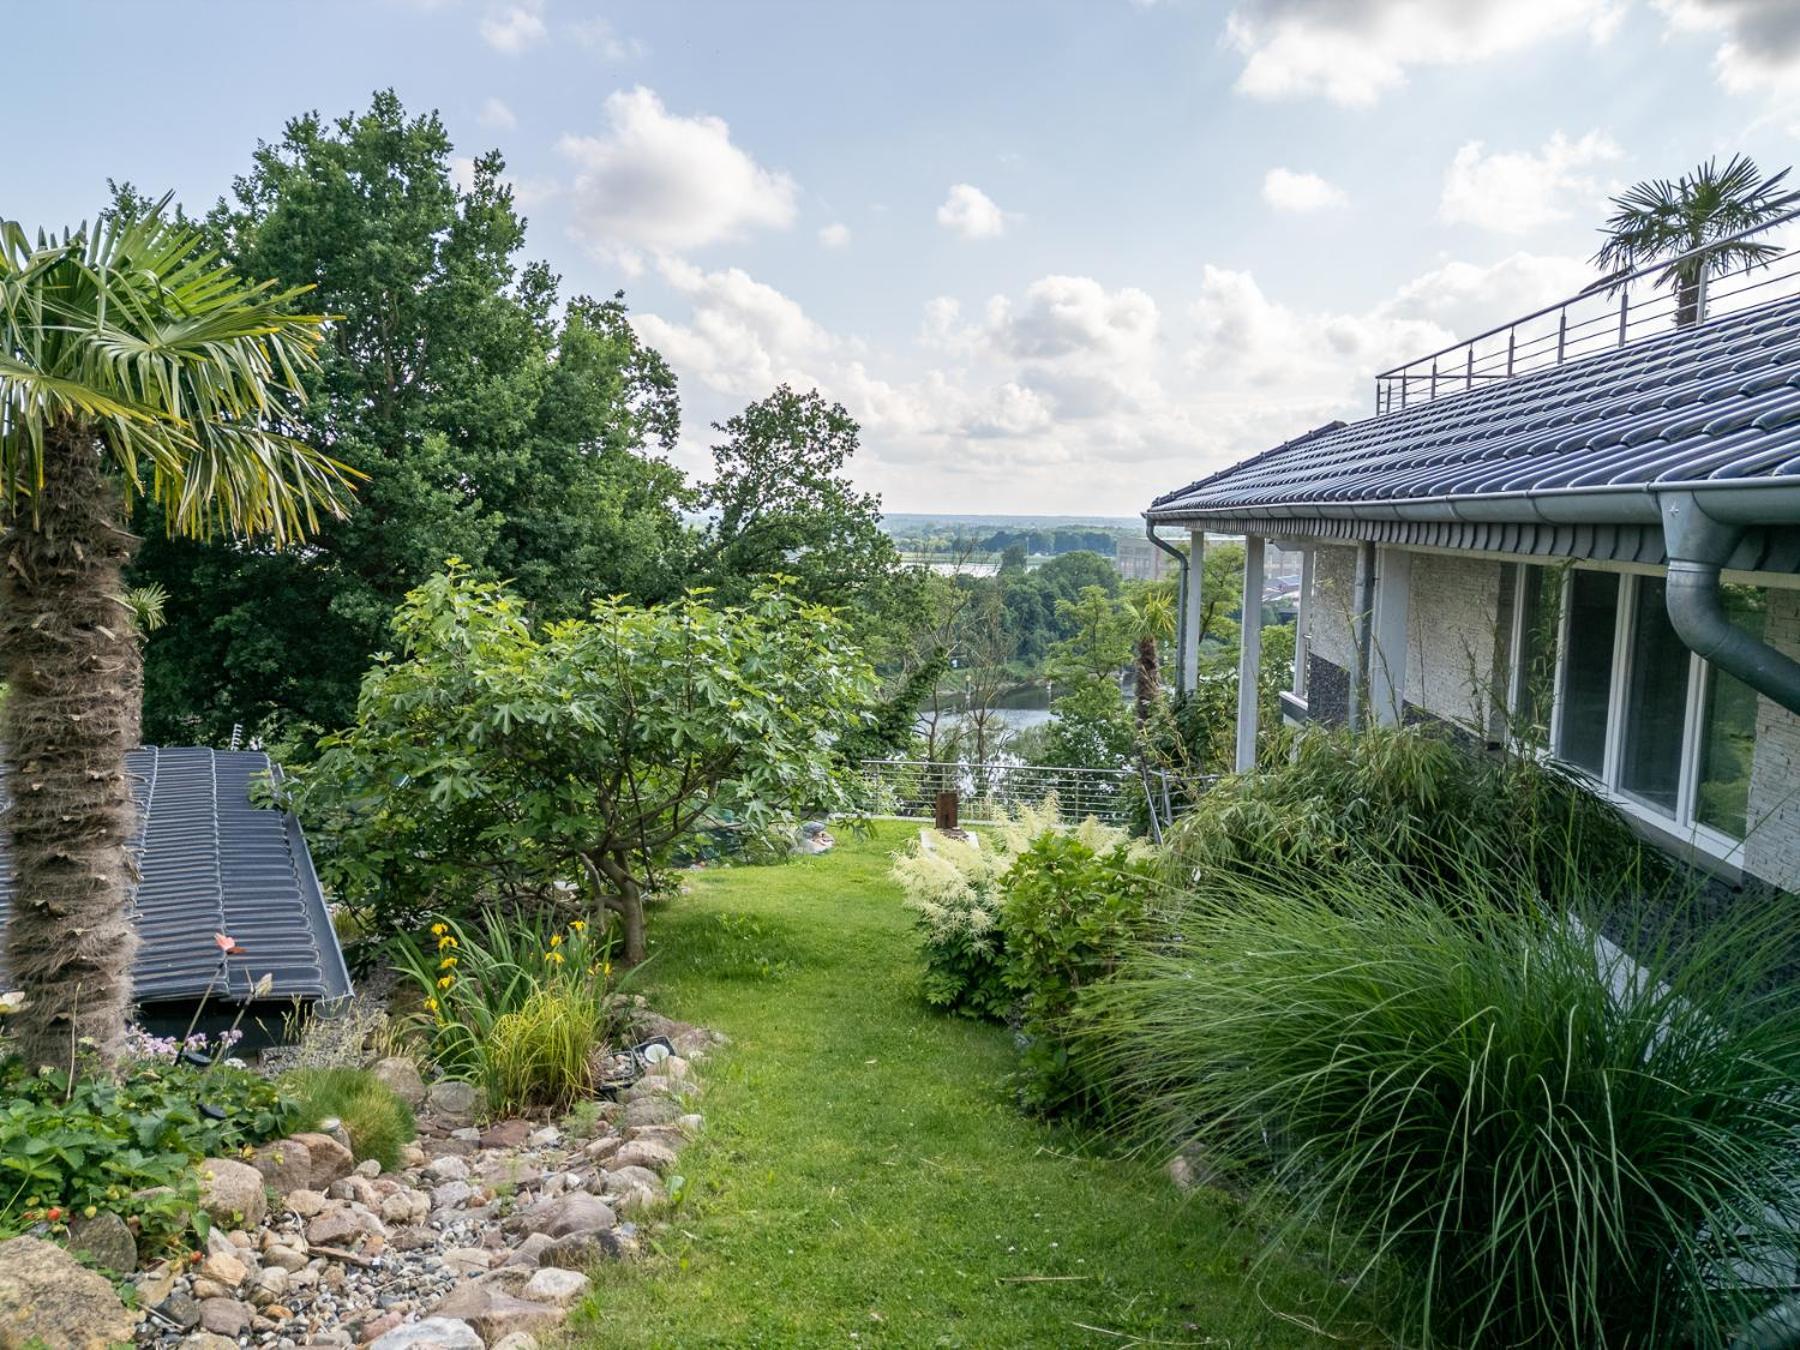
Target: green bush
[[953, 890], [1070, 913], [1421, 808], [377, 1121], [518, 1005], [68, 1150], [1542, 1143]]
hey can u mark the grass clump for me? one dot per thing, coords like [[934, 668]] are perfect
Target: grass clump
[[520, 1004], [377, 1121], [1543, 1142]]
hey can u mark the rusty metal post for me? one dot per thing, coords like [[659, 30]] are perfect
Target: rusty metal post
[[945, 817]]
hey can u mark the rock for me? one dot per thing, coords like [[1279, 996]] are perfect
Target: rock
[[225, 1269], [285, 1164], [400, 1076], [578, 1251], [331, 1158], [272, 1282], [232, 1192], [434, 1333], [205, 1288], [333, 1228], [518, 1340], [557, 1286], [369, 1167], [691, 1124], [452, 1195], [495, 1314], [645, 1153], [651, 1111], [181, 1309], [448, 1168], [628, 1177], [575, 1212], [209, 1340], [609, 1145], [224, 1316], [305, 1202], [452, 1102], [468, 1260], [285, 1258], [405, 1206], [106, 1241], [506, 1134], [411, 1155], [377, 1327], [672, 1067], [548, 1137], [529, 1250]]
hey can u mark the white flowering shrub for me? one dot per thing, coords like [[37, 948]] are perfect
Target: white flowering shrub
[[954, 890]]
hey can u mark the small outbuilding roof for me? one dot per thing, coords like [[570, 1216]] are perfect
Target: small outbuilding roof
[[212, 861], [1713, 405]]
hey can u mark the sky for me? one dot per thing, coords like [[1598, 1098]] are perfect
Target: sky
[[1057, 256]]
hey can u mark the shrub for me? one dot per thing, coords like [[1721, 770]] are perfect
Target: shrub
[[1547, 1145], [70, 1149], [1070, 914], [377, 1121], [1423, 808], [519, 1005], [952, 887]]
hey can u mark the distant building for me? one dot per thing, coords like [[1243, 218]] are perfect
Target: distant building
[[1140, 560]]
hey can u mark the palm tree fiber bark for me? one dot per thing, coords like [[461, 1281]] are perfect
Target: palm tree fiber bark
[[67, 652]]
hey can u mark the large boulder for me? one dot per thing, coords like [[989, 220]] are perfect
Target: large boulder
[[330, 1159], [285, 1164], [453, 1102], [571, 1212], [434, 1333], [48, 1298], [105, 1241], [400, 1076], [495, 1314], [231, 1193]]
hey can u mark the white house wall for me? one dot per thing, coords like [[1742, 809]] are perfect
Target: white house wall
[[1454, 642], [1772, 851], [1333, 602]]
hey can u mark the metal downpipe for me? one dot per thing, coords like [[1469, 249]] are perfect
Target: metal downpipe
[[1181, 601], [1698, 547]]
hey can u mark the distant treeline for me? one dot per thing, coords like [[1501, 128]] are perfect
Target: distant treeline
[[1052, 541]]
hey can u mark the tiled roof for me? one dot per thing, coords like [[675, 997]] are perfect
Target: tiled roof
[[213, 862], [1716, 403]]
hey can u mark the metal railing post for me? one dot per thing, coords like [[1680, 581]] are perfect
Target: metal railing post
[[1700, 293], [1434, 378], [1512, 343], [1562, 333], [1624, 311], [1469, 368]]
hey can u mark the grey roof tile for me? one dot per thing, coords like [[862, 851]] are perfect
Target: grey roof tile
[[211, 861], [1717, 402]]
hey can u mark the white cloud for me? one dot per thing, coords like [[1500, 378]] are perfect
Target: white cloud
[[1514, 192], [661, 182], [970, 212], [1760, 47], [835, 235], [1286, 190], [598, 35], [513, 28], [1354, 51], [495, 113]]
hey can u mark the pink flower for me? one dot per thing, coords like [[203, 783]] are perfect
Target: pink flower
[[227, 944]]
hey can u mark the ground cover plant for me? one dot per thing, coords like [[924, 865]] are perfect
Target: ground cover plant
[[865, 1176], [377, 1121], [127, 1143]]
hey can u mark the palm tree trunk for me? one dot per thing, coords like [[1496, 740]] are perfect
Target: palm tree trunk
[[1147, 676], [67, 651]]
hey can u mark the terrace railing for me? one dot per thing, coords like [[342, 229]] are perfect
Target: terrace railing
[[1614, 312], [908, 789]]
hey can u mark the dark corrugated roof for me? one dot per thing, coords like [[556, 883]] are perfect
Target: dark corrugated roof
[[1719, 402], [213, 862]]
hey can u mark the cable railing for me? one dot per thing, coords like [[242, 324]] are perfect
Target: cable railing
[[1614, 312], [907, 789]]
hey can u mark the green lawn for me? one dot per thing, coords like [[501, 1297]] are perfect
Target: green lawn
[[863, 1178]]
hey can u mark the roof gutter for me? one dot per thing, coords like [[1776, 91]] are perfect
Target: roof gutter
[[1699, 544], [1702, 523], [1181, 600]]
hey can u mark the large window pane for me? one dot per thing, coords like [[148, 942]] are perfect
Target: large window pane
[[1728, 729], [1587, 669], [1655, 701], [1540, 600]]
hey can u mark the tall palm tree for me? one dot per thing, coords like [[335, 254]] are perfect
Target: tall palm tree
[[1658, 219], [1151, 617], [132, 363]]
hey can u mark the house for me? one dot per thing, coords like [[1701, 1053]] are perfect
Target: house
[[211, 860], [1572, 533]]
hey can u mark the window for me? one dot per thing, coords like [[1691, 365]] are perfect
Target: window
[[1586, 690], [1666, 736], [1728, 729]]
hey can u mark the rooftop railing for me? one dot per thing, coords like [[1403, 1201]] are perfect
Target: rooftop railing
[[1615, 311]]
